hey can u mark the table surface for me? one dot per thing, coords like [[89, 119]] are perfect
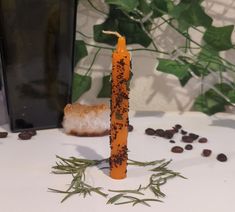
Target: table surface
[[210, 184]]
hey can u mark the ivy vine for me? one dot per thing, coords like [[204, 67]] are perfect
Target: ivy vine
[[137, 20]]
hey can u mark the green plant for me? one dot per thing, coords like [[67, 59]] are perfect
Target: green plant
[[137, 20]]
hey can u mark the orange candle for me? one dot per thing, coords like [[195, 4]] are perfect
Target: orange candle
[[119, 109]]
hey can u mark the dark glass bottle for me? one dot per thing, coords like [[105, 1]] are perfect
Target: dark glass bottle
[[0, 68], [37, 38]]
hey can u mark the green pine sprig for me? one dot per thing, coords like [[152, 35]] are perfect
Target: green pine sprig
[[76, 167]]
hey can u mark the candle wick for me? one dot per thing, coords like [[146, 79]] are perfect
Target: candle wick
[[112, 33]]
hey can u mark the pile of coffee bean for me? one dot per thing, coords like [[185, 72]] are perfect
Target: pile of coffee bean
[[186, 137], [27, 134]]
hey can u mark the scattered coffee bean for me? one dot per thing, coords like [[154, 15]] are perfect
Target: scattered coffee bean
[[130, 128], [177, 149], [221, 157], [178, 126], [150, 131], [24, 135], [206, 152], [160, 132], [193, 136], [202, 140], [169, 134], [187, 139], [183, 132], [188, 147], [31, 131], [3, 134], [175, 130]]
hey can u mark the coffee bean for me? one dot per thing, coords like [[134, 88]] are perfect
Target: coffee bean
[[221, 157], [202, 140], [169, 134], [160, 132], [31, 131], [188, 147], [150, 131], [206, 152], [193, 136], [130, 128], [177, 149], [178, 126], [183, 132], [187, 139], [172, 141], [24, 135], [175, 130], [3, 134]]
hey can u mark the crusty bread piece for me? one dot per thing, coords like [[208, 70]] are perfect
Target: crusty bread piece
[[86, 120]]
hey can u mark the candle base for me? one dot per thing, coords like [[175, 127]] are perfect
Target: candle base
[[119, 172], [115, 177]]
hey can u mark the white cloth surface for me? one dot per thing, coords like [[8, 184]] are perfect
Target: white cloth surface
[[26, 167]]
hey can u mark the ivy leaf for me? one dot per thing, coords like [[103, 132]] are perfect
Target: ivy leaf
[[219, 37], [179, 9], [198, 70], [128, 6], [117, 21], [175, 68], [208, 61], [190, 13], [190, 1], [196, 16], [144, 7], [210, 102], [231, 95], [209, 58], [176, 13], [99, 36], [81, 84], [160, 7], [105, 91], [80, 51]]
